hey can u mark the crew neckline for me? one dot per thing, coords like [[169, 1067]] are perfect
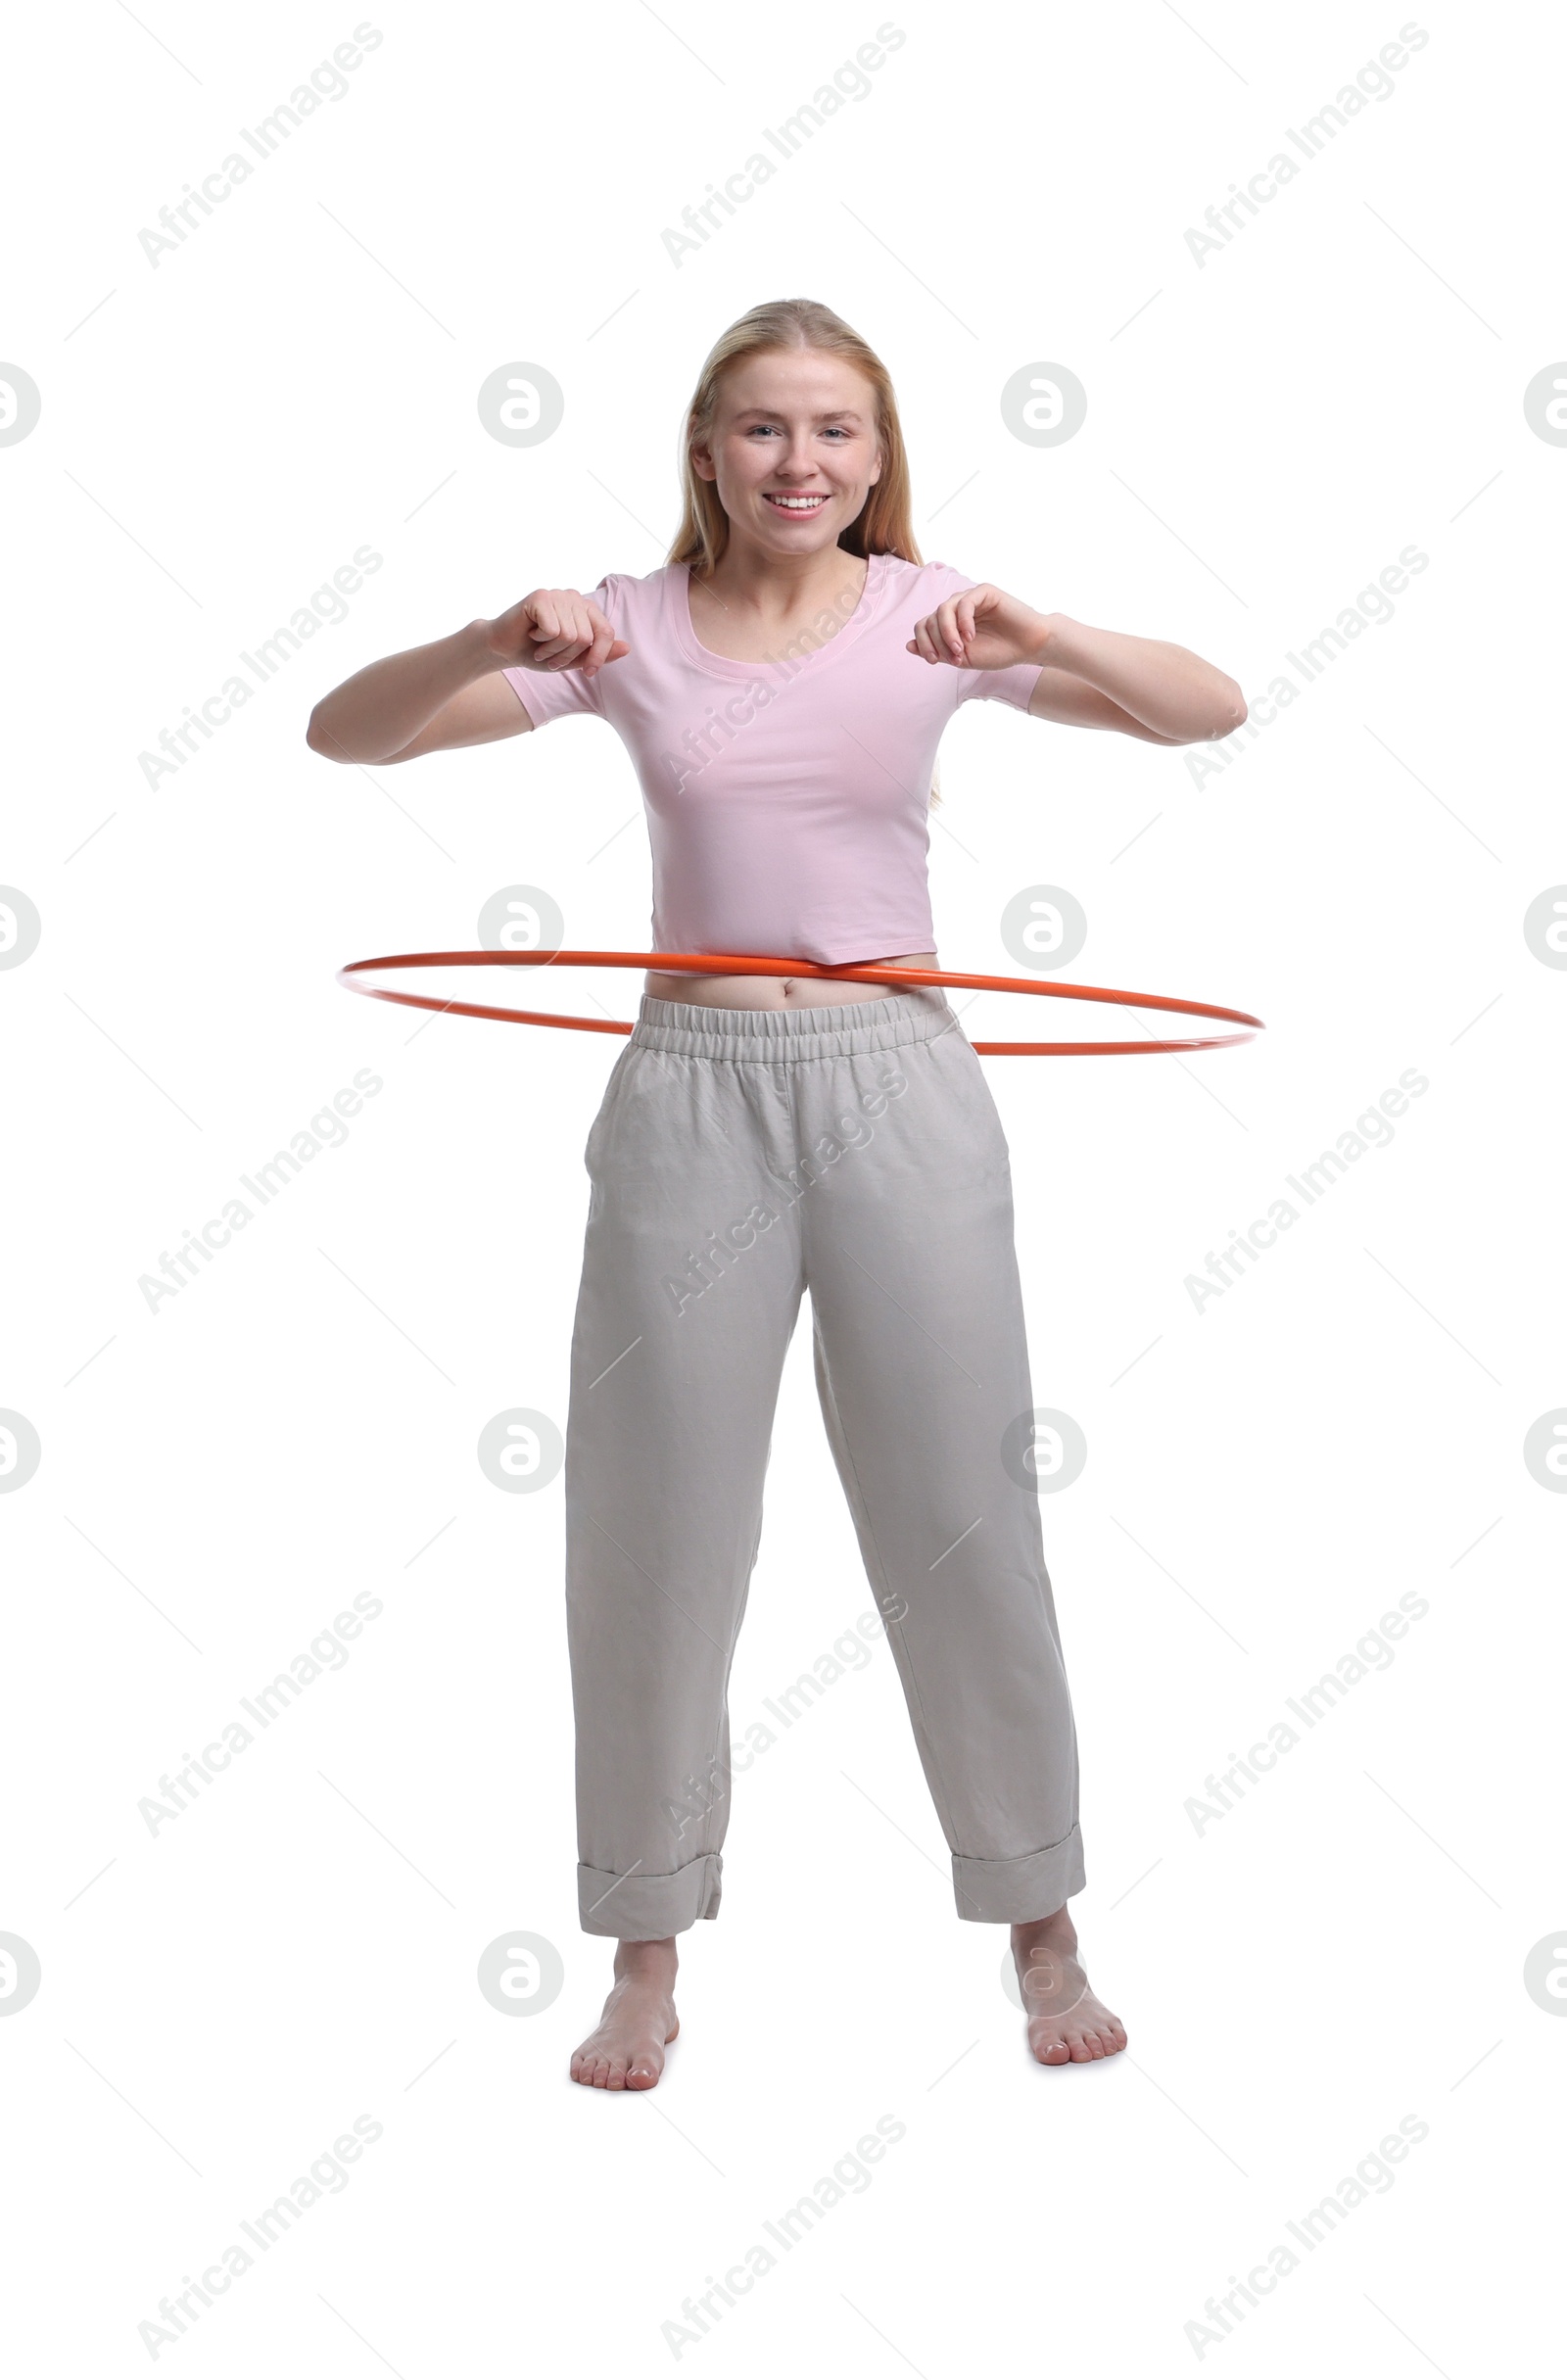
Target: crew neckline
[[722, 665]]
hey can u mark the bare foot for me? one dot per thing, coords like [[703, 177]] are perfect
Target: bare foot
[[625, 2051], [1067, 2024]]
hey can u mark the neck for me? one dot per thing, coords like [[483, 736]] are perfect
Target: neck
[[766, 587]]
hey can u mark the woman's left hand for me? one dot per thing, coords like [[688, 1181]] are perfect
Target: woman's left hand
[[982, 628]]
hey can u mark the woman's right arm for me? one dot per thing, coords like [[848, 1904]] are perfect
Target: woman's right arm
[[437, 697]]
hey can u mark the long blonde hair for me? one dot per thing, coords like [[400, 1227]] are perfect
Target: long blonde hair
[[795, 325]]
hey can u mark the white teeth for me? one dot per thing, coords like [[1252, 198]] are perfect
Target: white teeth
[[798, 504]]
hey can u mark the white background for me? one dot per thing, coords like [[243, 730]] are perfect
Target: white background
[[1345, 1425]]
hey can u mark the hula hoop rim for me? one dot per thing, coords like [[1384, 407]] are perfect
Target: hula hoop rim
[[718, 963]]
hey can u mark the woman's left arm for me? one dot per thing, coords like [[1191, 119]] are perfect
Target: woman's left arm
[[1089, 677], [1096, 677]]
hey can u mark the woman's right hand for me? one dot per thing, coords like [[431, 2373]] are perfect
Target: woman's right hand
[[556, 627]]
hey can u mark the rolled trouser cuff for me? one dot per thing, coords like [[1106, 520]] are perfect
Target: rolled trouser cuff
[[1014, 1891], [642, 1908]]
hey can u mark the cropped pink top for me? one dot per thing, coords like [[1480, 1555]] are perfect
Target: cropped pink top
[[786, 801]]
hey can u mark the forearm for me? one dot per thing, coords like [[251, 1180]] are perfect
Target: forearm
[[378, 711], [1171, 692]]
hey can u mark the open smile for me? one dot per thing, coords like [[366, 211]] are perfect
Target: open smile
[[794, 503]]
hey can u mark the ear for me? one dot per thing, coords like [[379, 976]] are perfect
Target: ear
[[703, 463]]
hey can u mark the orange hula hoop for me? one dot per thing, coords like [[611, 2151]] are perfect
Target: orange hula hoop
[[679, 961]]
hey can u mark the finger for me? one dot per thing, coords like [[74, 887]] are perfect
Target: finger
[[947, 619], [575, 631], [597, 636], [923, 642], [615, 645], [566, 616], [548, 633], [594, 631], [602, 644], [965, 619]]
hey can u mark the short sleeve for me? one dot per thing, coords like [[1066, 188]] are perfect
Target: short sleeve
[[553, 694], [1015, 685]]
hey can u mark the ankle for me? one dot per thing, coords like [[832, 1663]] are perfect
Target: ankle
[[652, 1963], [1057, 1929]]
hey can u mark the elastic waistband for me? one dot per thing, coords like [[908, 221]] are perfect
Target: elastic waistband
[[771, 1034]]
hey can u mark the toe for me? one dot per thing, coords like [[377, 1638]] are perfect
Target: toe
[[617, 2074], [1051, 2050]]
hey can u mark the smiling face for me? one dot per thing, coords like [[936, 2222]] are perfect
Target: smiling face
[[792, 448]]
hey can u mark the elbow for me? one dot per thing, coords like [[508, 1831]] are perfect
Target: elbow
[[319, 738], [1231, 714]]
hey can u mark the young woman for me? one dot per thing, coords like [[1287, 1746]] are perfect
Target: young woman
[[782, 685]]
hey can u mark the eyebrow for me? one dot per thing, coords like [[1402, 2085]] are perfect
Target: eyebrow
[[763, 412]]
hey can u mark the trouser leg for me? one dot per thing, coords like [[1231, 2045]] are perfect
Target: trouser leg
[[922, 1365], [684, 1317]]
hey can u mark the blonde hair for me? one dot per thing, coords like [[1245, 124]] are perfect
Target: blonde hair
[[794, 325]]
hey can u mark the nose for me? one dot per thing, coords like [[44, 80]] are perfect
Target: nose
[[797, 461]]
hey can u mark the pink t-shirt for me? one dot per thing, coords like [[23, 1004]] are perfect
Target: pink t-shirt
[[786, 801]]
